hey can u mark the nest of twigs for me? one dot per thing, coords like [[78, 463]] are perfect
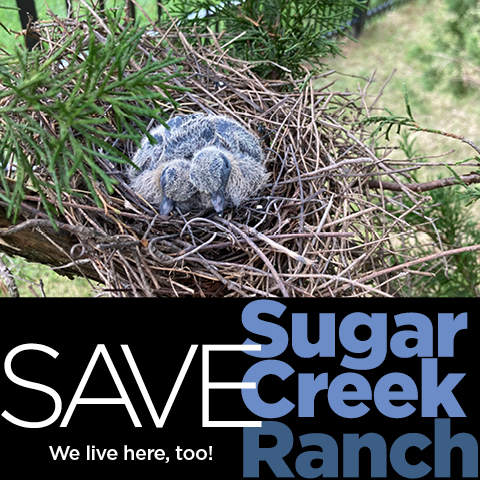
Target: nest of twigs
[[317, 229]]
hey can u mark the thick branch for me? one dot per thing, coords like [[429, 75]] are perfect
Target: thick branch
[[426, 186], [37, 241]]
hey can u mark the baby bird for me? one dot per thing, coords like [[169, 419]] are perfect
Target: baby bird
[[177, 188], [200, 161], [225, 176]]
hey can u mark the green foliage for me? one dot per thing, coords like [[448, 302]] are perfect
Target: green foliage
[[279, 35], [37, 280], [446, 220], [61, 107], [452, 57], [391, 120], [456, 227], [3, 10], [470, 192]]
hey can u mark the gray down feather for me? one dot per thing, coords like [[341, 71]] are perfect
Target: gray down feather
[[201, 161]]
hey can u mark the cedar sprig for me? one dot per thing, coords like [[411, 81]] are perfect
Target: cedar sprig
[[65, 104]]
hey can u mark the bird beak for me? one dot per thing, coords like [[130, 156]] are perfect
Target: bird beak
[[218, 201], [166, 206]]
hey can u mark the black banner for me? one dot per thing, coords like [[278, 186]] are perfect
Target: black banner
[[334, 388]]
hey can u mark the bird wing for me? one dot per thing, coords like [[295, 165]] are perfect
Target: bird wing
[[235, 138], [188, 137]]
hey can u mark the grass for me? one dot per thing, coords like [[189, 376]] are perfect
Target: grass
[[387, 45], [10, 18], [28, 276]]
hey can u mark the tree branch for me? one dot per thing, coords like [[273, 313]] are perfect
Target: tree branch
[[428, 258], [417, 128], [426, 186], [37, 241]]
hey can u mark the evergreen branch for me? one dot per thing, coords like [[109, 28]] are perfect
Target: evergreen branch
[[275, 32], [392, 120], [407, 103], [416, 128], [60, 106]]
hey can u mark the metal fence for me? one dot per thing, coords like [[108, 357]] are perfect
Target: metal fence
[[28, 14]]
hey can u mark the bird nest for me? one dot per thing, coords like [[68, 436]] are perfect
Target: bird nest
[[316, 229]]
